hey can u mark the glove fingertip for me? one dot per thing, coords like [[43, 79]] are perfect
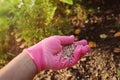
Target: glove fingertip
[[81, 42], [85, 49]]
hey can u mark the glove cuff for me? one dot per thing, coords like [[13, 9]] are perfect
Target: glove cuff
[[37, 57]]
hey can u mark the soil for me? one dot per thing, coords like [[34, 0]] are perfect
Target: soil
[[103, 61], [97, 65]]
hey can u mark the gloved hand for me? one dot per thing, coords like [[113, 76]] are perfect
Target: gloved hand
[[44, 53]]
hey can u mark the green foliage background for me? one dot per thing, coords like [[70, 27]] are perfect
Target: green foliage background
[[26, 22], [37, 19], [30, 21]]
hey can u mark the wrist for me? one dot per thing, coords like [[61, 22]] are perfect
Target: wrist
[[20, 68], [37, 56]]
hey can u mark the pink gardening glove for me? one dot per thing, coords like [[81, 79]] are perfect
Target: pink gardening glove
[[44, 53]]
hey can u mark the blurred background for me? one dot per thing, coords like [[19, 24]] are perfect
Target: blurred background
[[26, 22]]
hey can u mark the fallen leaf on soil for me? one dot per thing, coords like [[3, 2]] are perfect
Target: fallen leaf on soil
[[105, 76], [22, 45], [103, 36], [18, 39], [86, 21], [117, 34], [12, 33], [112, 31], [83, 59], [2, 61], [116, 50], [75, 67], [76, 38], [77, 31], [92, 44]]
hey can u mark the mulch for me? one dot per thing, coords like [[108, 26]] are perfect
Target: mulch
[[102, 62]]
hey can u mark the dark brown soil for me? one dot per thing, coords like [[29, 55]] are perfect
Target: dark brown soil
[[97, 65], [103, 62]]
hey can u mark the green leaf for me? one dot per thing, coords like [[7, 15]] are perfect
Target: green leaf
[[67, 1], [90, 10], [51, 14], [118, 72]]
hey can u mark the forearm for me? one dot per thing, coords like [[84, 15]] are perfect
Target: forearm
[[20, 68]]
